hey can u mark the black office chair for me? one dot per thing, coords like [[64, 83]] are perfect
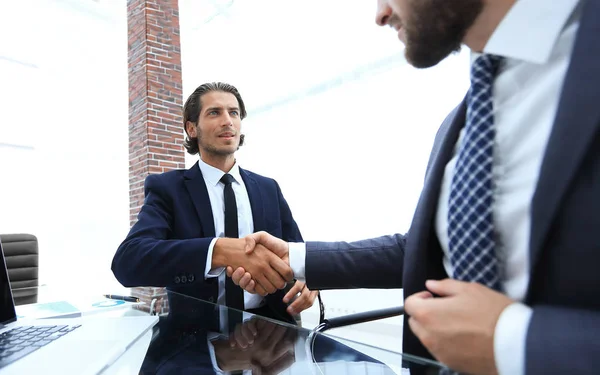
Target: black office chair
[[22, 261]]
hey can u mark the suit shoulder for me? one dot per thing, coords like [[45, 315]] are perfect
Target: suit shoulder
[[260, 178], [165, 178]]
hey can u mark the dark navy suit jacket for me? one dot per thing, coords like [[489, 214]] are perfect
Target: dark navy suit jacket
[[564, 248], [168, 245]]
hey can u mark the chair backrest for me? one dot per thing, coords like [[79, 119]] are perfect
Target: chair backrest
[[22, 262]]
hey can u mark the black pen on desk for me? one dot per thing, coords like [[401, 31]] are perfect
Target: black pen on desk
[[122, 298]]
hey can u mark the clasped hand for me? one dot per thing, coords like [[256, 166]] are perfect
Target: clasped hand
[[457, 326], [266, 268]]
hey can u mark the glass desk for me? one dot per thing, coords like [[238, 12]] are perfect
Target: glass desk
[[199, 337]]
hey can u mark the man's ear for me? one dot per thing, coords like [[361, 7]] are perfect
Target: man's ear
[[190, 129]]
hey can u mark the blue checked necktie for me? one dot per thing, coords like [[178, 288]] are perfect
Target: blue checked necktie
[[470, 222]]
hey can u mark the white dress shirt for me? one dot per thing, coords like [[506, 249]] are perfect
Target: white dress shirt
[[212, 178], [536, 40]]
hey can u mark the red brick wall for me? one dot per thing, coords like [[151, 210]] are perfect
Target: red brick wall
[[155, 101]]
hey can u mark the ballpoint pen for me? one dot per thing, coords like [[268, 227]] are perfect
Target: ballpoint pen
[[122, 298]]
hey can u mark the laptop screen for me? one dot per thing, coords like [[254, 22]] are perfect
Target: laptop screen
[[7, 309]]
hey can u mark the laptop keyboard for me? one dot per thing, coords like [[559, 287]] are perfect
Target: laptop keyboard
[[20, 341]]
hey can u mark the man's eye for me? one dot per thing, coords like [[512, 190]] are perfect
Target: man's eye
[[212, 113], [234, 113]]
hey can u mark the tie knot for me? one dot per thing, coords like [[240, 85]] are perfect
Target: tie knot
[[227, 179], [484, 68]]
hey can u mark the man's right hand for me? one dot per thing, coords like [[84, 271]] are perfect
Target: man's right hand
[[270, 271], [244, 277]]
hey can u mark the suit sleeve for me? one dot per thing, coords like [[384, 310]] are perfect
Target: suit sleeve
[[147, 257], [562, 341], [371, 263]]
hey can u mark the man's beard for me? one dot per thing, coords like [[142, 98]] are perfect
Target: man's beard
[[211, 149], [436, 28]]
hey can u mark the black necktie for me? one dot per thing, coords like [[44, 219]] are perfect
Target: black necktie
[[234, 296]]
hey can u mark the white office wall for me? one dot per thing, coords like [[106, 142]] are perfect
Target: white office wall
[[63, 133]]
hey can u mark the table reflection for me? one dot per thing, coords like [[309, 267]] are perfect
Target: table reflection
[[194, 340]]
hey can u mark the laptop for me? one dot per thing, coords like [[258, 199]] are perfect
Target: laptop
[[66, 345]]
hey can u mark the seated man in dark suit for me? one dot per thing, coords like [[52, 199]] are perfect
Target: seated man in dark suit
[[192, 222]]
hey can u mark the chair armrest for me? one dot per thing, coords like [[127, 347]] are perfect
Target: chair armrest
[[362, 317]]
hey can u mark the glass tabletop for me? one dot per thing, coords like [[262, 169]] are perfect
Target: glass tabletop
[[194, 336]]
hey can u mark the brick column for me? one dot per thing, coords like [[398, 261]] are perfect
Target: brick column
[[155, 103]]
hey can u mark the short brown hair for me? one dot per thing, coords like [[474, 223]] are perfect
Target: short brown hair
[[193, 107]]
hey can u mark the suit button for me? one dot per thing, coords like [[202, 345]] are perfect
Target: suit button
[[184, 279], [177, 280], [211, 299], [191, 277]]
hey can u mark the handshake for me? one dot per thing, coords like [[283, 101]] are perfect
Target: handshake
[[259, 263]]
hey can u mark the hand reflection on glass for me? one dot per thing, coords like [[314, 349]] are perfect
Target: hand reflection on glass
[[257, 345]]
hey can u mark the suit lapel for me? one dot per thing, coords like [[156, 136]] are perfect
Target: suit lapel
[[423, 256], [256, 200], [196, 187], [575, 126], [440, 155]]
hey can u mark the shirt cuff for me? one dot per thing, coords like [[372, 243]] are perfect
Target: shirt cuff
[[211, 351], [298, 259], [510, 337], [209, 271]]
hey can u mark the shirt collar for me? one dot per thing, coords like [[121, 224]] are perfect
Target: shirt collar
[[530, 29], [213, 175]]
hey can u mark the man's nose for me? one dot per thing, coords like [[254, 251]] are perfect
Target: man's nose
[[227, 120], [383, 14]]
